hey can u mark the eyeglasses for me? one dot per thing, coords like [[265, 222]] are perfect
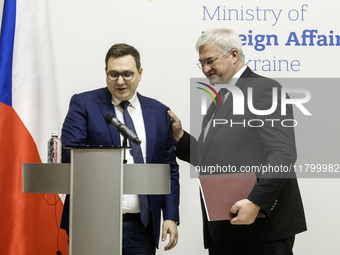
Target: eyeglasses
[[113, 76], [209, 62]]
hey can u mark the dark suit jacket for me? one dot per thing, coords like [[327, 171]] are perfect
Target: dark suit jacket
[[85, 125], [278, 198]]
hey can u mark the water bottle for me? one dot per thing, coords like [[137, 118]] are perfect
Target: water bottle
[[54, 149]]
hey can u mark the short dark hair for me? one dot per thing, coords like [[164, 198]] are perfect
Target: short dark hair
[[122, 49]]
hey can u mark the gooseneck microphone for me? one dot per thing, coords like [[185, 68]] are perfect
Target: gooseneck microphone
[[124, 130]]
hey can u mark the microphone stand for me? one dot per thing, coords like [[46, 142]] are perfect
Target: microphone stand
[[125, 147]]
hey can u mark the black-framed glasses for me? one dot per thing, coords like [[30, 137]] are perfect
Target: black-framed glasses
[[209, 62], [113, 76]]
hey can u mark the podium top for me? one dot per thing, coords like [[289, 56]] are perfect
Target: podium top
[[94, 147], [56, 178]]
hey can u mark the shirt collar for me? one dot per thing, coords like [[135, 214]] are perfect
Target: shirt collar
[[235, 77], [132, 100], [239, 72]]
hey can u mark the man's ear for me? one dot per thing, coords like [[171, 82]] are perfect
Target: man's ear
[[140, 72], [235, 55]]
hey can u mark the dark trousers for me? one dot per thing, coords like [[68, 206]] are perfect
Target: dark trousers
[[137, 240], [279, 247]]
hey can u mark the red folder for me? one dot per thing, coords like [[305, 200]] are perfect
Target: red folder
[[220, 192]]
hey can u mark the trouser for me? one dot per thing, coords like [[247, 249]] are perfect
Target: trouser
[[137, 239], [279, 247]]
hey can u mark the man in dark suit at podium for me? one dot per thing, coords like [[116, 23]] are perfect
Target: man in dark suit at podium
[[277, 196], [85, 125]]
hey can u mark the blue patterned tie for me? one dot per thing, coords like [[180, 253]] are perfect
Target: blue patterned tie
[[137, 158]]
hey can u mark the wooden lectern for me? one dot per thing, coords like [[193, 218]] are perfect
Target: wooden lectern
[[96, 178]]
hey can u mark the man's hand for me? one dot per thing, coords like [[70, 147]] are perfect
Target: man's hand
[[177, 130], [170, 227], [246, 212]]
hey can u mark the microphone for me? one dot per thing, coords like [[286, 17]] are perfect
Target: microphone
[[124, 130]]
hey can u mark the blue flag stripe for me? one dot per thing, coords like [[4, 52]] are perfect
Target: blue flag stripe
[[6, 51]]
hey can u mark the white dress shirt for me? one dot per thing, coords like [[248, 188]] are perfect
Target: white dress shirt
[[130, 203]]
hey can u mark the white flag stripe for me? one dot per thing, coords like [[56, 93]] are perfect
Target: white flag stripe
[[34, 93], [1, 10]]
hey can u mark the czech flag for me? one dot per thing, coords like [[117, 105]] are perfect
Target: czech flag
[[29, 223]]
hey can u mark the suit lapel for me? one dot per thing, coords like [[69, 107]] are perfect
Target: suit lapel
[[149, 117], [104, 101], [225, 110]]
